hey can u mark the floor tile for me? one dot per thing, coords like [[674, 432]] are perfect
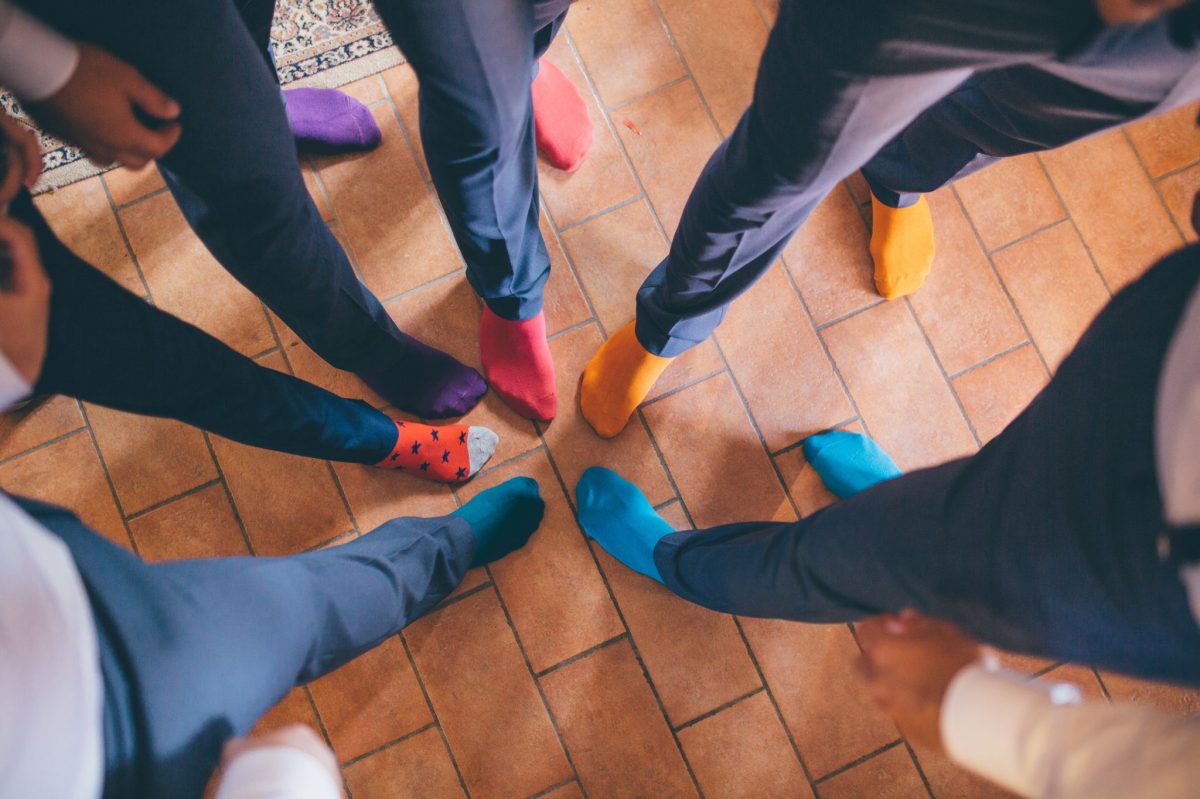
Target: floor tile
[[317, 192], [366, 90], [810, 670], [188, 282], [604, 179], [830, 260], [962, 307], [890, 775], [551, 586], [900, 392], [624, 47], [294, 708], [722, 42], [388, 214], [150, 459], [948, 780], [569, 791], [1167, 141], [1009, 199], [1168, 698], [402, 86], [996, 392], [370, 701], [746, 488], [486, 699], [417, 768], [699, 362], [1179, 192], [669, 138], [802, 481], [780, 364], [1126, 231], [378, 495], [308, 366], [81, 217], [200, 525], [1055, 288], [563, 300], [126, 185], [744, 753], [604, 692], [82, 488], [38, 423]]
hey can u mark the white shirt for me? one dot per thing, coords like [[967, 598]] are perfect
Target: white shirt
[[1037, 739], [35, 61]]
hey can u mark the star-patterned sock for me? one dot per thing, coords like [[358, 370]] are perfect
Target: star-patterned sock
[[848, 463], [560, 118], [502, 518], [517, 361], [902, 246], [328, 121], [616, 380], [617, 514], [448, 454]]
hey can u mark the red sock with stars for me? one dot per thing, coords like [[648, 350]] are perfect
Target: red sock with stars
[[448, 453]]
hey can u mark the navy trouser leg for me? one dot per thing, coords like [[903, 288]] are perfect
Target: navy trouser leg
[[235, 171], [1127, 73], [194, 652], [109, 347], [837, 81], [1043, 542], [475, 60]]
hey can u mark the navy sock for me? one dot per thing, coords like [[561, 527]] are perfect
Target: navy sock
[[616, 513], [502, 518], [848, 462]]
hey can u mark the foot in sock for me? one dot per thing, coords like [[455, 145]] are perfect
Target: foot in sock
[[329, 121], [450, 453], [517, 361], [560, 119], [617, 514], [616, 380], [503, 518], [902, 246], [426, 382], [848, 462]]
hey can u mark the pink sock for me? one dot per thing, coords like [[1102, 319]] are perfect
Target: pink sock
[[517, 362], [560, 118]]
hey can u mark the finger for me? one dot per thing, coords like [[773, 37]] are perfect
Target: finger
[[149, 145], [151, 99], [27, 273]]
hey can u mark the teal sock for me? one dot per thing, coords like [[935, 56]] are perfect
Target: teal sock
[[614, 512], [502, 518], [848, 462]]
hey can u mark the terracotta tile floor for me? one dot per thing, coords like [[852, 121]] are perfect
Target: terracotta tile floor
[[557, 673]]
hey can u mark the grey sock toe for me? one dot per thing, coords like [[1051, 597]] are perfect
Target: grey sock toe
[[481, 443]]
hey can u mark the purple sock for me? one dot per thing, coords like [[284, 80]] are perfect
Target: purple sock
[[329, 121], [427, 382]]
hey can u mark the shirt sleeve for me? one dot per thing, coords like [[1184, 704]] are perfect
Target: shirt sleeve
[[277, 772], [35, 60], [12, 386], [1038, 740]]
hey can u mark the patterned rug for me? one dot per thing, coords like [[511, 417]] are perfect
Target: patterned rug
[[317, 43]]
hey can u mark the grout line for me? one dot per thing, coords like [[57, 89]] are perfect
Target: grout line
[[616, 639], [137, 265], [408, 735], [987, 360], [137, 200], [597, 214], [1183, 239], [849, 315], [628, 101], [547, 791], [237, 514], [312, 704], [1025, 236], [718, 709], [660, 507], [687, 68], [800, 442], [112, 487], [571, 329], [937, 360], [858, 761], [163, 503], [458, 271], [1070, 218], [45, 444], [693, 382], [1170, 173]]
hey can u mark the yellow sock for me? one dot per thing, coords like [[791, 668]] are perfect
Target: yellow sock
[[902, 247], [616, 380]]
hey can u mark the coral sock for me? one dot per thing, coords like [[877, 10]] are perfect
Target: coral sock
[[517, 362], [617, 514], [902, 246], [448, 454], [848, 462], [502, 518], [560, 118], [330, 122], [425, 381], [616, 380]]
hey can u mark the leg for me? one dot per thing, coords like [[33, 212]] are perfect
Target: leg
[[235, 175], [193, 652], [836, 82]]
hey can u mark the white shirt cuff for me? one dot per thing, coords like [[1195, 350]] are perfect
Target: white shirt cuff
[[12, 386], [986, 714], [277, 772], [35, 60]]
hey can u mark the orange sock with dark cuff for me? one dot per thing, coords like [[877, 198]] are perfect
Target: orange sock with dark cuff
[[902, 247], [616, 380], [448, 453]]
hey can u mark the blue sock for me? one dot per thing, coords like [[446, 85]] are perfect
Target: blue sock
[[848, 462], [502, 518], [614, 511]]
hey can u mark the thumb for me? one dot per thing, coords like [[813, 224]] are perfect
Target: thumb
[[150, 98]]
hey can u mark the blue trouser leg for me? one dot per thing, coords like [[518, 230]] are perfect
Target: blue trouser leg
[[1127, 73], [837, 81], [194, 652], [109, 347], [475, 60], [1043, 542]]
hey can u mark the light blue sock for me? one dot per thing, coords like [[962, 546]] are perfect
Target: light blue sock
[[614, 511], [848, 462]]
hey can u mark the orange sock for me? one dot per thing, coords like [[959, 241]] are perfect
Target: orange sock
[[616, 380], [902, 247], [448, 453]]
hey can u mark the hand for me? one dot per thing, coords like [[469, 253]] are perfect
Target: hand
[[96, 110], [294, 736], [908, 662], [24, 300], [21, 158]]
